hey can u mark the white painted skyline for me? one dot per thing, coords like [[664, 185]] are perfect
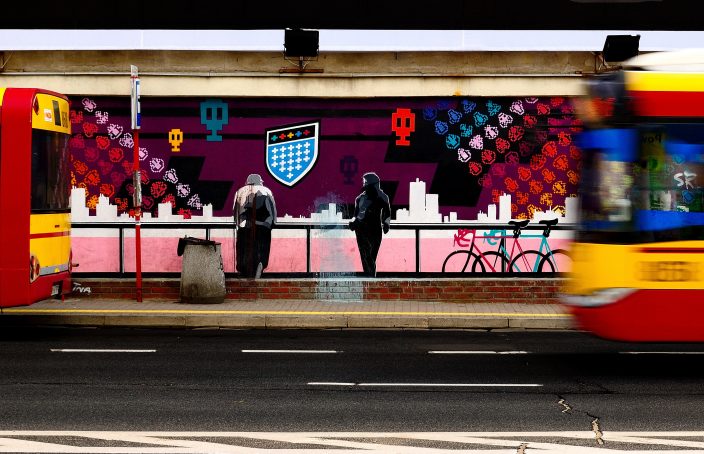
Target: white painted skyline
[[423, 208]]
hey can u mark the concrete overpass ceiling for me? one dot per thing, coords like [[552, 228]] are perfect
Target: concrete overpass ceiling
[[359, 14]]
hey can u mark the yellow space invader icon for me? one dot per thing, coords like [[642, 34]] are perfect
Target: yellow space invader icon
[[175, 139]]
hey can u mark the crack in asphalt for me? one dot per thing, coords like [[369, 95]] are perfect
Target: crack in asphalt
[[596, 427]]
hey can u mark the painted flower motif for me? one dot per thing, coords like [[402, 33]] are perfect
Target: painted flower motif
[[572, 177], [515, 133], [89, 129], [116, 154], [475, 168], [92, 202], [535, 187], [441, 128], [564, 138], [537, 161], [476, 142], [77, 141], [468, 106], [575, 153], [194, 202], [463, 155], [491, 132], [101, 117], [127, 141], [114, 131], [557, 101], [76, 117], [169, 198], [183, 190], [548, 175], [480, 119], [492, 107], [144, 176], [92, 178], [511, 184], [158, 189], [88, 104], [453, 116], [511, 158], [559, 187], [466, 130], [488, 157], [498, 170], [81, 167], [522, 197], [156, 165], [543, 109], [107, 190], [529, 121], [524, 173], [170, 176], [186, 213], [102, 142], [147, 202], [517, 107], [561, 162], [91, 154], [485, 181], [430, 113], [117, 178], [526, 148], [502, 145], [549, 149], [143, 154], [505, 120], [127, 168], [546, 199]]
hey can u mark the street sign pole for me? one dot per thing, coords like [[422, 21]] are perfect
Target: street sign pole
[[136, 178]]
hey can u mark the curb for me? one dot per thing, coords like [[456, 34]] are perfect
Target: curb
[[273, 321]]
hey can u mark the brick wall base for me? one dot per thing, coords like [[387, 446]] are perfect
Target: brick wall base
[[467, 290]]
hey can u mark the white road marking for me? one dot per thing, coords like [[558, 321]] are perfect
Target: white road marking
[[290, 351], [99, 350], [447, 385], [345, 442], [662, 353], [477, 352]]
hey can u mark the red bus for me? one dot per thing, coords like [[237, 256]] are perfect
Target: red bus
[[35, 224]]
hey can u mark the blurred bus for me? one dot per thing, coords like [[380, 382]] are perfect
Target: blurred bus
[[638, 263], [35, 225]]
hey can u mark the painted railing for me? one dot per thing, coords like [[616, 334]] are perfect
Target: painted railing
[[301, 249]]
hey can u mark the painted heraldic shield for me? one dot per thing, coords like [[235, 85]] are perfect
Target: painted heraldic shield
[[291, 151]]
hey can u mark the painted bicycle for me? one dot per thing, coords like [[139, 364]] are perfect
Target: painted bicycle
[[503, 259]]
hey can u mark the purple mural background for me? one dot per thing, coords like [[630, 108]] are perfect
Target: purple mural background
[[469, 151]]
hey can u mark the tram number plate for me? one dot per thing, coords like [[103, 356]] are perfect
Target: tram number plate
[[55, 289], [668, 271]]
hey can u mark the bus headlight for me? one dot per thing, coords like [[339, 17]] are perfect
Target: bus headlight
[[597, 298]]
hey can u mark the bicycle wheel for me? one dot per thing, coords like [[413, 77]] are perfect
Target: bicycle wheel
[[457, 262], [490, 260], [556, 261], [527, 262]]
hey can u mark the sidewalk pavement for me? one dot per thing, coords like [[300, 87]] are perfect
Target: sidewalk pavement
[[288, 314]]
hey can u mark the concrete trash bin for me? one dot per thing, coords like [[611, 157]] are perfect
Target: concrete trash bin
[[202, 273]]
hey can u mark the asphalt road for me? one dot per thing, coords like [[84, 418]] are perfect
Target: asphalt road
[[355, 381]]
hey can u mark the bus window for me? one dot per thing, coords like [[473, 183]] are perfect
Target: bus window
[[50, 188]]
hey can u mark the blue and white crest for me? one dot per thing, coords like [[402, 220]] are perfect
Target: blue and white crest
[[292, 151]]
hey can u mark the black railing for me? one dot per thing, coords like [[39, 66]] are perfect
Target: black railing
[[208, 227]]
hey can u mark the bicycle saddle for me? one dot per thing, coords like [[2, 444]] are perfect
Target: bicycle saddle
[[519, 224], [551, 222]]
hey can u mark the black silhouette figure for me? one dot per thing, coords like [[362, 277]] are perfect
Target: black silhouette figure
[[372, 216], [255, 215]]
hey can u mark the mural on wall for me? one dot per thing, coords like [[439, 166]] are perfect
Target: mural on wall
[[193, 152]]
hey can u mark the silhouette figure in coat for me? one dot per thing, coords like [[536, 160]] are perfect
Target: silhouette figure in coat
[[255, 215], [372, 216]]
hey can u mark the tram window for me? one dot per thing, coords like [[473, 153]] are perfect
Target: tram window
[[50, 171]]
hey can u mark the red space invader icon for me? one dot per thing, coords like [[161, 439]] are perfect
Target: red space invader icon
[[403, 123]]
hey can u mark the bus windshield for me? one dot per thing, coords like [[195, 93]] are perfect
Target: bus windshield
[[50, 171]]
